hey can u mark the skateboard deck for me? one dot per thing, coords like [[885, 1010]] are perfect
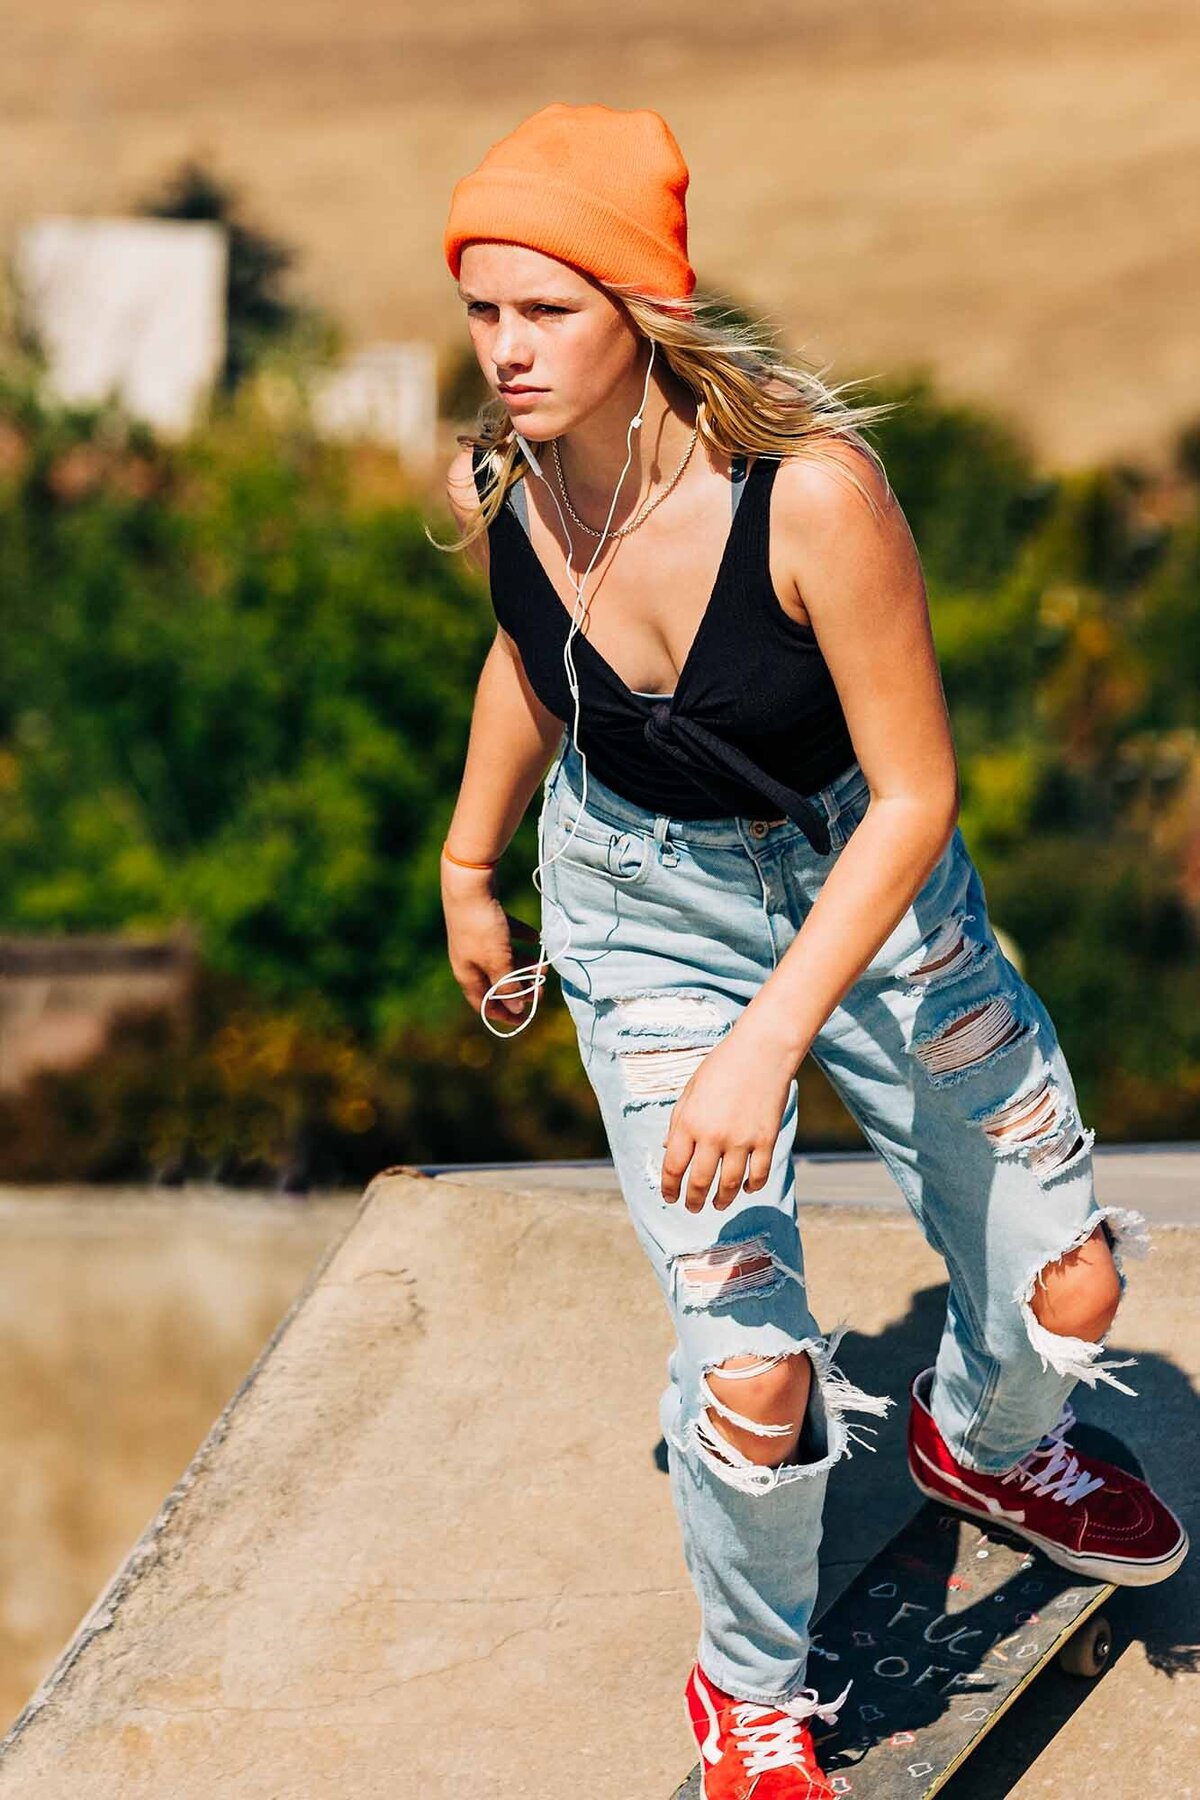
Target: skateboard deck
[[940, 1632]]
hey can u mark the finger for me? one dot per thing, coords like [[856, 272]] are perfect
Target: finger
[[474, 985], [760, 1167], [679, 1147], [700, 1177], [733, 1167], [506, 995]]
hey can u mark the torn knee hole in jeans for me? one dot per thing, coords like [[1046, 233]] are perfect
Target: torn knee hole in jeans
[[684, 1024], [1038, 1126], [833, 1395], [735, 1269], [1080, 1359], [755, 1366]]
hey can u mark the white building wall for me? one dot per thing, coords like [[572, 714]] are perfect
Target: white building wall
[[131, 306]]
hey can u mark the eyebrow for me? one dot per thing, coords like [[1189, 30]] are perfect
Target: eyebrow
[[533, 300]]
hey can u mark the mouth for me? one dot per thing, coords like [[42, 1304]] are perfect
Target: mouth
[[506, 391]]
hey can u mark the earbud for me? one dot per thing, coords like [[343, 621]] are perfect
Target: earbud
[[573, 687]]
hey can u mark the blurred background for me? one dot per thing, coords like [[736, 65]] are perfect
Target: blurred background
[[236, 680]]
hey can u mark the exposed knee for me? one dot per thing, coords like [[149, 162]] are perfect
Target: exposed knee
[[768, 1439], [770, 1393], [1079, 1293], [1068, 1305]]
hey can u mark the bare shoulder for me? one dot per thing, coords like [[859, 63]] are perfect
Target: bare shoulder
[[843, 542], [835, 507], [836, 481], [846, 545], [463, 499]]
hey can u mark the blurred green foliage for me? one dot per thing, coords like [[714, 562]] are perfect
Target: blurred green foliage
[[236, 689], [231, 695]]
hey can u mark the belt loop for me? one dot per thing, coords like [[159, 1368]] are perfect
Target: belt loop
[[555, 774], [551, 781], [667, 852], [828, 801]]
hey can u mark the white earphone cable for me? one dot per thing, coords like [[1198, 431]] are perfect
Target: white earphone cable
[[536, 969]]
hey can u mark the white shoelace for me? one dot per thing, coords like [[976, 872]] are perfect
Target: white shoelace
[[769, 1738], [1061, 1478]]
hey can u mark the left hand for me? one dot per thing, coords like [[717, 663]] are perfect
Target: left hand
[[729, 1112]]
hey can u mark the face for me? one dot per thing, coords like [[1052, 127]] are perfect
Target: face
[[537, 323]]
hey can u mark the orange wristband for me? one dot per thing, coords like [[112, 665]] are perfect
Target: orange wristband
[[450, 857]]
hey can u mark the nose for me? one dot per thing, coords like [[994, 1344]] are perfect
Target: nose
[[509, 354]]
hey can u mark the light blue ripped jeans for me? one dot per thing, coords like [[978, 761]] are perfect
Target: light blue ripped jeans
[[949, 1063]]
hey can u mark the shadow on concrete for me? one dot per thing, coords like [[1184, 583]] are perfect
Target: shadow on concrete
[[871, 1496]]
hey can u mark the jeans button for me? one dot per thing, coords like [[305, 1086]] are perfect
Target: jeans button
[[758, 828]]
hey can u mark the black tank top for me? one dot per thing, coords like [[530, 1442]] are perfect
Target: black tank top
[[754, 724]]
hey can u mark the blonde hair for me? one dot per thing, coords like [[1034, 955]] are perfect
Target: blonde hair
[[750, 401]]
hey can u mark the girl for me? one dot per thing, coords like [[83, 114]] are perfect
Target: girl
[[749, 841]]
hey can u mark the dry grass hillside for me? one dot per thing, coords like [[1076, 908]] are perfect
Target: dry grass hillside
[[1005, 193]]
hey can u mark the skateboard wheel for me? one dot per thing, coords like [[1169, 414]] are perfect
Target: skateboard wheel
[[1087, 1651]]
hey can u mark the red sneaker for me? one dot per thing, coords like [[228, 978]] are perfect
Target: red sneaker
[[748, 1747], [1085, 1514]]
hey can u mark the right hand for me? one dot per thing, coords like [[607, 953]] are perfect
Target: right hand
[[479, 935]]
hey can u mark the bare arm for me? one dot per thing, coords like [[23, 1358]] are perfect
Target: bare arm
[[860, 580], [509, 747], [511, 741], [512, 736]]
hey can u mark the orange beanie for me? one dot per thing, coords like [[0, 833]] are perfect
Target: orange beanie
[[591, 185]]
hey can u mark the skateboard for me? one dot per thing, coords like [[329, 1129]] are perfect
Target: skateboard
[[941, 1631]]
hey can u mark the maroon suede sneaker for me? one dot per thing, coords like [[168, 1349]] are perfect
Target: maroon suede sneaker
[[749, 1748], [1085, 1514]]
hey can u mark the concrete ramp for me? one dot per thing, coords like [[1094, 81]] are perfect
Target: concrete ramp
[[419, 1548], [426, 1550]]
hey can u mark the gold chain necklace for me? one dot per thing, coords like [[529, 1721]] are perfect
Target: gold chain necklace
[[646, 510]]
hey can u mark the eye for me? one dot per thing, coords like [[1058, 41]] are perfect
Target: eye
[[478, 306]]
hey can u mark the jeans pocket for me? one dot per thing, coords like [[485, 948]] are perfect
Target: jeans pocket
[[595, 849]]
